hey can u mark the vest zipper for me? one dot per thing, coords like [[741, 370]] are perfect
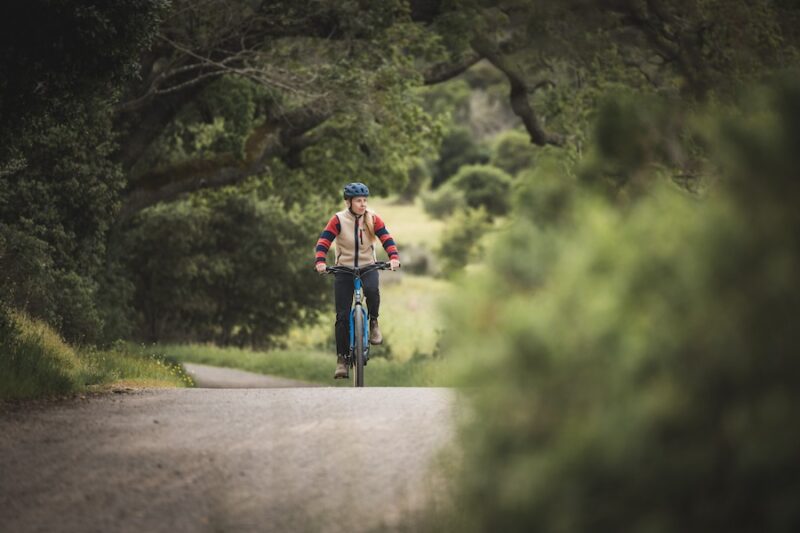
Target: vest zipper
[[356, 239]]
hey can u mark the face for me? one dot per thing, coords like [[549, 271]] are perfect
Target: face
[[358, 204]]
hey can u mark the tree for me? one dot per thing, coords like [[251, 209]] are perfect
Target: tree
[[61, 64], [226, 266]]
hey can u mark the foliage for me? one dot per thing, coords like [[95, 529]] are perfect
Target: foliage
[[484, 186], [418, 176], [513, 152], [62, 65], [54, 54], [643, 377], [55, 212], [443, 202], [458, 149], [228, 267], [35, 362], [461, 240]]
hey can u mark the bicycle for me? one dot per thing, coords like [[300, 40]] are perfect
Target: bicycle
[[359, 323]]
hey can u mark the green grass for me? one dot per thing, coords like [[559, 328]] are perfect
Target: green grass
[[408, 223], [36, 363], [313, 366]]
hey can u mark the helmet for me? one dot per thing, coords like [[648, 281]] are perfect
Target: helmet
[[355, 189]]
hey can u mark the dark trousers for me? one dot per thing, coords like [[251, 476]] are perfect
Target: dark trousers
[[343, 288]]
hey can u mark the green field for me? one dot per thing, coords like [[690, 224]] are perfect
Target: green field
[[409, 224]]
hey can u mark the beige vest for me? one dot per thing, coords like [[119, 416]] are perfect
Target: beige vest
[[355, 235]]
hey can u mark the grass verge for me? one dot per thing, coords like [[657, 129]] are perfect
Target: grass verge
[[36, 363], [313, 366]]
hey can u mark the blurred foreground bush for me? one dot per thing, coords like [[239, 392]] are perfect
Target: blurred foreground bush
[[461, 240], [638, 366]]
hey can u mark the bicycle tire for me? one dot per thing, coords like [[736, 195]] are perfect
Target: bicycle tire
[[358, 347]]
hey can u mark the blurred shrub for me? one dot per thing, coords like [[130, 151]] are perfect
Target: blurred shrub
[[418, 176], [458, 149], [443, 202], [544, 195], [461, 240], [637, 140], [418, 259], [513, 152], [484, 186], [646, 378]]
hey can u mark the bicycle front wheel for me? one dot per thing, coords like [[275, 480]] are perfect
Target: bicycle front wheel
[[358, 347]]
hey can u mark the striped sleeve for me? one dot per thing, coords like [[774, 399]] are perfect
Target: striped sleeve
[[386, 238], [326, 238]]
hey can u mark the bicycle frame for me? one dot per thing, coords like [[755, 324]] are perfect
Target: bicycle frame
[[357, 307]]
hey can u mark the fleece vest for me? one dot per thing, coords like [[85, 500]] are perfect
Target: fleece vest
[[355, 244]]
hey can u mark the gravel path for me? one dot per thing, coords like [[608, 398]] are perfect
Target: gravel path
[[197, 460], [216, 377]]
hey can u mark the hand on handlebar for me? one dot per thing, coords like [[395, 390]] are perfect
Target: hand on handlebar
[[394, 264], [321, 267]]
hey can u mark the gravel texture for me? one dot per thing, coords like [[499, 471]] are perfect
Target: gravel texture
[[287, 459]]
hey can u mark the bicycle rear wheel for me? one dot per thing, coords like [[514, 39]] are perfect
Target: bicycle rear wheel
[[358, 347]]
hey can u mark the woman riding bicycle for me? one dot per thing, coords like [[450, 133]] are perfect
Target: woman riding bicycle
[[356, 229]]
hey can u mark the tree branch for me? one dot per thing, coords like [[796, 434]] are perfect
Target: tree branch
[[442, 72], [519, 93], [265, 142]]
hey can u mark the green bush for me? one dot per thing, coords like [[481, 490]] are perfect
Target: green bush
[[458, 149], [443, 202], [484, 186], [646, 378], [461, 240], [228, 267], [513, 152]]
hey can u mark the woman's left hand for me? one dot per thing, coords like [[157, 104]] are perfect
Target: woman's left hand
[[394, 264]]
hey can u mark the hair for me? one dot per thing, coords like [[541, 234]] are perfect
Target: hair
[[369, 222]]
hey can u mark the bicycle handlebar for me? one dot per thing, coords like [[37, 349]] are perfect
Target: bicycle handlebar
[[378, 265]]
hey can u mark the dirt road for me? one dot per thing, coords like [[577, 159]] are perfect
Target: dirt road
[[290, 459], [215, 377]]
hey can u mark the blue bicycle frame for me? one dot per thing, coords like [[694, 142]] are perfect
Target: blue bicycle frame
[[358, 307]]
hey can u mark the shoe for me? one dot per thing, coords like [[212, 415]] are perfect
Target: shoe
[[375, 336], [341, 368]]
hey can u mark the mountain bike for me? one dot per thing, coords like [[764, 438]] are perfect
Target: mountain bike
[[359, 323]]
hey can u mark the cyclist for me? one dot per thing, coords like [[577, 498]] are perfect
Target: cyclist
[[356, 229]]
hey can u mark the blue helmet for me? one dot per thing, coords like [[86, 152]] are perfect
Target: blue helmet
[[355, 189]]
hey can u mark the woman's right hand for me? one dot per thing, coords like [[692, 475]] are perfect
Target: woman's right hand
[[321, 267]]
